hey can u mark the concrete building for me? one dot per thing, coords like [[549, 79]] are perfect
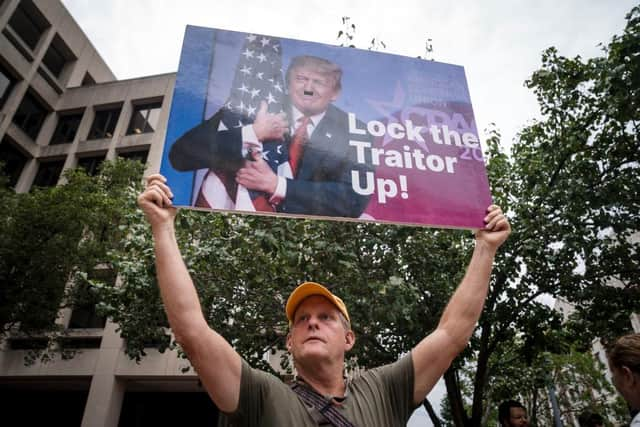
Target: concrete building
[[62, 107]]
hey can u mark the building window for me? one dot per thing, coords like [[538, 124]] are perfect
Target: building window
[[145, 118], [66, 128], [84, 311], [7, 82], [91, 165], [140, 155], [87, 80], [28, 23], [48, 173], [13, 160], [30, 116], [104, 124], [57, 56]]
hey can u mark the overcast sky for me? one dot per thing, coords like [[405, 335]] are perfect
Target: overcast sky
[[498, 42]]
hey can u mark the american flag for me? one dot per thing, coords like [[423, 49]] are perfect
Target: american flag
[[258, 77]]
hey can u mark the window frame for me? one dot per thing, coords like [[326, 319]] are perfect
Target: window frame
[[28, 13], [45, 163], [64, 137], [23, 122], [145, 109], [106, 131]]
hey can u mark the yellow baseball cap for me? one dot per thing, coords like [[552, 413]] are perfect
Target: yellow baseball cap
[[308, 289]]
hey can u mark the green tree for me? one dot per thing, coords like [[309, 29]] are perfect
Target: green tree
[[571, 189], [48, 234]]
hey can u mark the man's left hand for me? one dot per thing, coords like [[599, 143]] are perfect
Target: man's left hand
[[496, 230], [257, 175]]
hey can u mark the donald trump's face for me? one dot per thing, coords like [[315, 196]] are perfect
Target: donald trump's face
[[311, 91]]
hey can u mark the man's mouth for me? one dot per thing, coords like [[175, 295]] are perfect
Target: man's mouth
[[308, 93], [314, 339]]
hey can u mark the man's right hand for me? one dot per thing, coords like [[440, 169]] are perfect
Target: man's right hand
[[155, 202], [269, 126]]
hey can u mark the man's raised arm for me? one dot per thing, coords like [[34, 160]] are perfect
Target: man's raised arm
[[433, 355], [216, 362]]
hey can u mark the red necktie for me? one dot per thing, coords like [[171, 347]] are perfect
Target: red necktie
[[296, 148]]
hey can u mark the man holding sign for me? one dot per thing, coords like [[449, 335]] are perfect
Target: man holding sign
[[295, 162], [320, 334]]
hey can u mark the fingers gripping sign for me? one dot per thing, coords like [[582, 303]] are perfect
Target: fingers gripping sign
[[268, 126], [155, 201], [497, 228]]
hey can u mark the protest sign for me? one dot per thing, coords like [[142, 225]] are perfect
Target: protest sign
[[287, 127]]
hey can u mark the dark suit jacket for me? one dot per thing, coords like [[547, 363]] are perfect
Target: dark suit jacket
[[323, 185]]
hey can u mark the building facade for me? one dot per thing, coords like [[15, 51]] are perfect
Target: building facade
[[62, 107]]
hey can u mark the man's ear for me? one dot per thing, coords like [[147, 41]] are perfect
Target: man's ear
[[289, 342], [335, 96], [349, 339], [631, 377]]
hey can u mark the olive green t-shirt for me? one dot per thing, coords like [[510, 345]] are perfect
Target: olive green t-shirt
[[378, 397]]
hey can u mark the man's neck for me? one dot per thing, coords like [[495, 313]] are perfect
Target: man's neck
[[326, 380], [297, 114]]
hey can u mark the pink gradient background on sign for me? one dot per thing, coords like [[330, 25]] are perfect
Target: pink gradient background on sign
[[457, 199]]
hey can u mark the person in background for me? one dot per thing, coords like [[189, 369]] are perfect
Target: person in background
[[512, 413], [624, 362], [590, 419]]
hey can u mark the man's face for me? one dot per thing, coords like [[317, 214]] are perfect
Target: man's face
[[311, 91], [317, 332], [517, 417]]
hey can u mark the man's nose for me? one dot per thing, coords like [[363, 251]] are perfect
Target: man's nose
[[308, 86], [312, 323]]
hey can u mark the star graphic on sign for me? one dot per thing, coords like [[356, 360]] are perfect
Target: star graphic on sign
[[241, 106], [261, 57], [277, 87], [254, 93], [389, 108], [243, 88], [264, 41], [329, 135], [247, 53], [260, 75], [265, 155], [246, 70], [270, 98], [251, 110], [275, 47], [251, 37], [279, 149]]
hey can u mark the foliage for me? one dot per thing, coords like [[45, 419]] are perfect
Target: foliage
[[578, 378], [48, 234], [570, 189], [245, 266]]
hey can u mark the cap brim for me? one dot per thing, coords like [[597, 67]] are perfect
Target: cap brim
[[303, 291]]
